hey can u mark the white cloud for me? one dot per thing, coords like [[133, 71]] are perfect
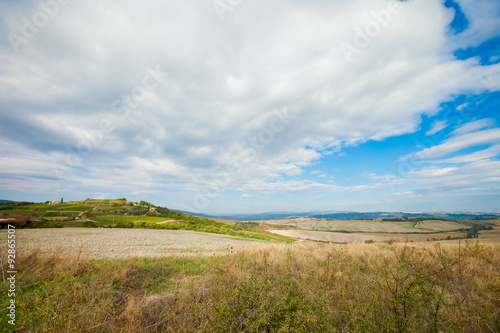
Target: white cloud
[[471, 134], [470, 175], [473, 157], [461, 142], [465, 174], [474, 126], [483, 19], [213, 115], [437, 126]]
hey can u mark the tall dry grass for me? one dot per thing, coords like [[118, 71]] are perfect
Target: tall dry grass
[[302, 287]]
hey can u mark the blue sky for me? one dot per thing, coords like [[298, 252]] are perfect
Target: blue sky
[[219, 107]]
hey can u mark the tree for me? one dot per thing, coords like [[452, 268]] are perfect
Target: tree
[[473, 233], [62, 200]]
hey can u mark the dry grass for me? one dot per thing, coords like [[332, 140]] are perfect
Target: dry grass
[[303, 287]]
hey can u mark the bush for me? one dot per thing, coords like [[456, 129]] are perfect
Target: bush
[[124, 225], [89, 224]]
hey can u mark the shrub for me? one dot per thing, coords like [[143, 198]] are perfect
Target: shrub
[[89, 224]]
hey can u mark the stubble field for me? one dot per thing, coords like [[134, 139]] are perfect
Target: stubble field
[[368, 225], [126, 243], [342, 231]]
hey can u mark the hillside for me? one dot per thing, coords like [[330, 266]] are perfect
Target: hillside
[[120, 213]]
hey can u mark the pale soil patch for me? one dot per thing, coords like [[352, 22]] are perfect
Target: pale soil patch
[[163, 222], [339, 237], [325, 236], [495, 233], [367, 226], [126, 243], [433, 225], [57, 218], [421, 237]]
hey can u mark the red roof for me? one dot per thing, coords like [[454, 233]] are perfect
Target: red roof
[[14, 219]]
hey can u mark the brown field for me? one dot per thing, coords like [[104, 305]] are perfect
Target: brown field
[[341, 237], [367, 226], [325, 236], [370, 230], [495, 233], [126, 243]]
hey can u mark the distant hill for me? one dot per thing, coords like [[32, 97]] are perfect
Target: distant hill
[[244, 217], [101, 210]]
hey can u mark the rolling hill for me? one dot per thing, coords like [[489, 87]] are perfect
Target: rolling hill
[[120, 213]]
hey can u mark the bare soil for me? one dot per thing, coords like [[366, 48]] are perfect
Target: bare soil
[[325, 236], [306, 223], [126, 243], [339, 237]]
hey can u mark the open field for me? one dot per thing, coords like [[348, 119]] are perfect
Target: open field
[[302, 287], [336, 237], [126, 219], [342, 237], [429, 226], [351, 236], [126, 243], [495, 233]]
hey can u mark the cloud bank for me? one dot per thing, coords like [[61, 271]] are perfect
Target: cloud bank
[[147, 97]]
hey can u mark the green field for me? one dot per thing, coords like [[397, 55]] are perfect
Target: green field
[[126, 219]]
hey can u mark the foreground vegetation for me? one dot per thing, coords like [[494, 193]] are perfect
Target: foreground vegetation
[[302, 287]]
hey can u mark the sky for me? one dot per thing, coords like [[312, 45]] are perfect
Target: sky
[[237, 106]]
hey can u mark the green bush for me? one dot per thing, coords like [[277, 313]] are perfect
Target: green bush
[[89, 224]]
